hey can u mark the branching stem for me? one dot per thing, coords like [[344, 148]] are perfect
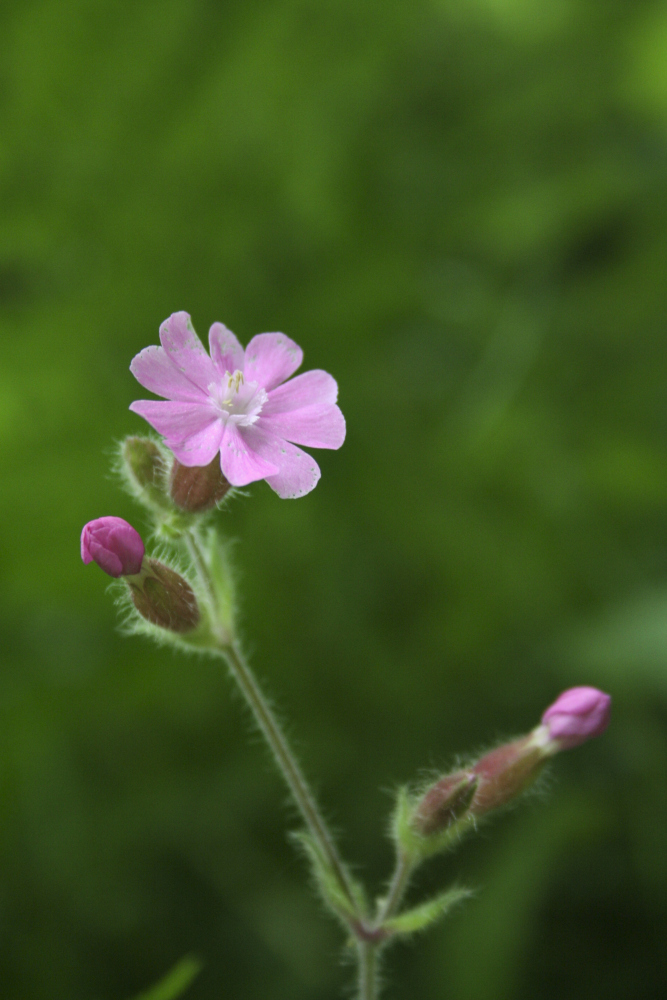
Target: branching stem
[[369, 950]]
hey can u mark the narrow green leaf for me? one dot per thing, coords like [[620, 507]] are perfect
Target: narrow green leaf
[[175, 983], [325, 878], [421, 917]]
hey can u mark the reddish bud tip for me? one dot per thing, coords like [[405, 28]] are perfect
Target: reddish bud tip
[[114, 545], [577, 715]]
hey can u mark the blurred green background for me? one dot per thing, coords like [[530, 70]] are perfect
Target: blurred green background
[[459, 208]]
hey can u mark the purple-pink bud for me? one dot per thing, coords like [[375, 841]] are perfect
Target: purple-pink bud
[[114, 545], [577, 715]]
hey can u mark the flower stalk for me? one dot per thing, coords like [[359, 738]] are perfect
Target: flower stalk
[[195, 611], [288, 766], [270, 728], [405, 866], [230, 418]]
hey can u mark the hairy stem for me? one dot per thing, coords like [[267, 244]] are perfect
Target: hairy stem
[[288, 765], [368, 951], [399, 883], [197, 557], [367, 956], [274, 736]]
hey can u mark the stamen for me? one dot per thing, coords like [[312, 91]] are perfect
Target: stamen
[[237, 400], [235, 381]]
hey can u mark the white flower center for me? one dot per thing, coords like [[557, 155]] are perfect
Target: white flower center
[[237, 401]]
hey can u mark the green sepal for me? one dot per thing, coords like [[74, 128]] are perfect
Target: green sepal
[[327, 884], [415, 845], [200, 638], [172, 525], [176, 982], [144, 466], [406, 839], [423, 916], [222, 579]]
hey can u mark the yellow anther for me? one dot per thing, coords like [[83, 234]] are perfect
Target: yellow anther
[[235, 381]]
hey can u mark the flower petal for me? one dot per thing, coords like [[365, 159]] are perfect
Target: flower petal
[[200, 448], [226, 352], [154, 369], [270, 358], [240, 462], [298, 472], [186, 350], [176, 421], [318, 426], [305, 390]]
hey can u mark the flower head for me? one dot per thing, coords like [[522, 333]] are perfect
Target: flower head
[[239, 404], [114, 545], [577, 715]]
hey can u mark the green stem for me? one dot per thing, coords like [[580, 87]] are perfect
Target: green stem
[[399, 882], [288, 765], [274, 736], [368, 951], [197, 557], [368, 956]]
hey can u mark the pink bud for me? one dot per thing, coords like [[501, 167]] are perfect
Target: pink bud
[[114, 545], [577, 715]]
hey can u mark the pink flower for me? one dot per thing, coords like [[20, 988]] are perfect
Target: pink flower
[[577, 715], [114, 545], [239, 404]]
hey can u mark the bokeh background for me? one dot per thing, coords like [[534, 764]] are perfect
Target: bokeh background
[[459, 208]]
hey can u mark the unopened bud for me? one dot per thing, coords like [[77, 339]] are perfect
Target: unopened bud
[[114, 545], [164, 598], [503, 774], [577, 715], [506, 772], [146, 469], [197, 488], [444, 803]]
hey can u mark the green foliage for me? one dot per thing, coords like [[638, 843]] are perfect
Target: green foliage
[[175, 983], [405, 838], [326, 883], [419, 918]]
